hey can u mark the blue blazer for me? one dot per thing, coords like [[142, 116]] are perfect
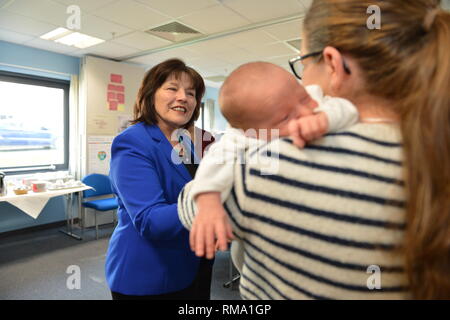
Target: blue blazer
[[149, 250]]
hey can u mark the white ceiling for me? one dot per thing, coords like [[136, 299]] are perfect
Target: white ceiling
[[122, 24]]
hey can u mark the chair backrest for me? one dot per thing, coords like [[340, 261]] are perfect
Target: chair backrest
[[99, 182]]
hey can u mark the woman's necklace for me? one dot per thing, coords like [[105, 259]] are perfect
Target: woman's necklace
[[378, 120], [180, 144]]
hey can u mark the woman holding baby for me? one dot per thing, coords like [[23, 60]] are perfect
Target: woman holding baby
[[363, 213]]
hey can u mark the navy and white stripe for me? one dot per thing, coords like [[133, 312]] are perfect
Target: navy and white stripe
[[312, 229]]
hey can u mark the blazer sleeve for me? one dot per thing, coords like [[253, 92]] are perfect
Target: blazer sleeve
[[135, 180]]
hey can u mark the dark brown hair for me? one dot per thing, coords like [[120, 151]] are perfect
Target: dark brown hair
[[406, 61], [144, 108]]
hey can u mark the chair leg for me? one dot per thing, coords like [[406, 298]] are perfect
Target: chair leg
[[96, 225]]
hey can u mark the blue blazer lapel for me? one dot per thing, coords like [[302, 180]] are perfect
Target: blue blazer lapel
[[166, 148]]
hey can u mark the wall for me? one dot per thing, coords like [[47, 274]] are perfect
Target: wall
[[220, 123], [17, 58]]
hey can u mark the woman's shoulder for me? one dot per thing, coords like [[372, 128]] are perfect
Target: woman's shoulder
[[137, 134], [360, 142]]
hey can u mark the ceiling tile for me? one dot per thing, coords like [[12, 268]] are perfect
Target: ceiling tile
[[43, 10], [273, 50], [286, 31], [214, 19], [24, 25], [108, 50], [15, 37], [154, 58], [4, 4], [305, 3], [237, 56], [49, 46], [212, 46], [282, 61], [260, 10], [132, 14], [142, 41], [176, 8], [251, 38], [100, 28], [86, 5]]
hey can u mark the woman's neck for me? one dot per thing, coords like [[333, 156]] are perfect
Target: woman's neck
[[168, 131], [376, 110]]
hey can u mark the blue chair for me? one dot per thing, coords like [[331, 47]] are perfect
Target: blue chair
[[102, 187]]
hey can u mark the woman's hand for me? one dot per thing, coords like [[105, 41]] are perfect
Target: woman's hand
[[211, 228]]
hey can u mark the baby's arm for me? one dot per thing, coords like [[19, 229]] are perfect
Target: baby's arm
[[211, 220], [211, 186], [332, 114]]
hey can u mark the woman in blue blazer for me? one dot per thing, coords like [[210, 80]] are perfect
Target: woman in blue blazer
[[149, 255]]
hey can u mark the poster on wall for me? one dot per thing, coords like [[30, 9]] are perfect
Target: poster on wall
[[115, 98], [99, 154], [102, 124]]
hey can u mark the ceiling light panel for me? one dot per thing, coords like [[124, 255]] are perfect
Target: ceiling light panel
[[54, 34]]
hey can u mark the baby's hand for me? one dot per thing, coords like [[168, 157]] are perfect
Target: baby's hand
[[308, 128], [210, 223]]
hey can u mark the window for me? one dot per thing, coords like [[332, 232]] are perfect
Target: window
[[34, 123]]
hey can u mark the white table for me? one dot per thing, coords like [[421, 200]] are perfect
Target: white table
[[32, 203]]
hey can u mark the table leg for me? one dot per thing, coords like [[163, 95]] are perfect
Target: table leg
[[81, 213], [69, 218]]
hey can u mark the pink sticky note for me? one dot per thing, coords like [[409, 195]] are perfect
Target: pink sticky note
[[120, 88], [111, 96], [121, 98], [116, 78], [113, 105]]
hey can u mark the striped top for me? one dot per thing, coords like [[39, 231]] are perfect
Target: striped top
[[325, 224]]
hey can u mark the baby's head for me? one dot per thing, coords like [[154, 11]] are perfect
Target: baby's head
[[261, 95]]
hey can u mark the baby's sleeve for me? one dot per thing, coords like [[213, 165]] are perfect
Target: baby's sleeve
[[341, 113], [216, 170]]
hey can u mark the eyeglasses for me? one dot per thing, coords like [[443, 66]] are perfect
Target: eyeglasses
[[297, 65]]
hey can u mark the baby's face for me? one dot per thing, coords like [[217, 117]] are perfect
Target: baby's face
[[289, 102]]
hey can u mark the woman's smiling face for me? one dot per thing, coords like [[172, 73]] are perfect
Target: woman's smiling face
[[175, 102]]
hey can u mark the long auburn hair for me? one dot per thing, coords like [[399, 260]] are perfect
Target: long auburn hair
[[408, 62], [144, 107]]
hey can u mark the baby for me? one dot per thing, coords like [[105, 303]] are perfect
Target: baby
[[261, 101]]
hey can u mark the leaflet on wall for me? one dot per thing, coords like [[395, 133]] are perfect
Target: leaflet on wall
[[102, 124], [99, 154]]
